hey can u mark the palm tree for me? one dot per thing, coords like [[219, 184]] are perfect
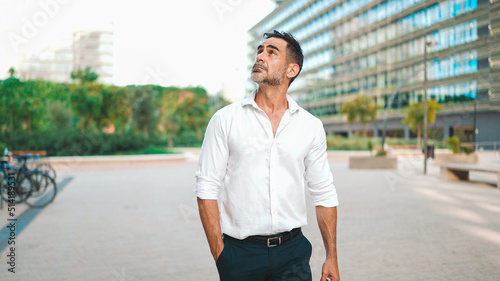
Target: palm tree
[[414, 116], [360, 108], [84, 75], [10, 100]]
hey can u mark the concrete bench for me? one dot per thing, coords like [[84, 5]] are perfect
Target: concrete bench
[[457, 172]]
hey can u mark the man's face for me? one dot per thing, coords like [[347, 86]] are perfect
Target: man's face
[[271, 63]]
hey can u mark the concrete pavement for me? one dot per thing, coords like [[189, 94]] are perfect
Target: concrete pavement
[[141, 223]]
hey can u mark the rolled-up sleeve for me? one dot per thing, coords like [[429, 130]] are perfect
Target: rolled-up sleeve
[[318, 176], [213, 159]]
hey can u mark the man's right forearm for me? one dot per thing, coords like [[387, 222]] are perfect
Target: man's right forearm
[[209, 214]]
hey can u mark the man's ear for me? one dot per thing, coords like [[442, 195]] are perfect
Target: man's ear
[[292, 70]]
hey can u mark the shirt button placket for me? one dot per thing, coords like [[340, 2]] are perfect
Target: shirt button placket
[[273, 186]]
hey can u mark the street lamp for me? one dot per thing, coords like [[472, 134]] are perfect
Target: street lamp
[[427, 44]]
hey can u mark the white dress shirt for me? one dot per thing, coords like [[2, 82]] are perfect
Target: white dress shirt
[[259, 180]]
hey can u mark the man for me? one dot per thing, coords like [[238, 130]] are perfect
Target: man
[[259, 155]]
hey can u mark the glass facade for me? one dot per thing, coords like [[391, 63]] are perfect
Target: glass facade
[[87, 48], [370, 47]]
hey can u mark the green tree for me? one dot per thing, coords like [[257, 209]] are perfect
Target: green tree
[[10, 102], [84, 75], [169, 124], [360, 108], [86, 97], [192, 113], [414, 116], [40, 114], [114, 102], [49, 92], [59, 114], [23, 105], [145, 112], [31, 105], [86, 101], [11, 72]]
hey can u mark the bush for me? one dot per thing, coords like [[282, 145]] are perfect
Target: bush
[[2, 147], [343, 143], [381, 153], [335, 142], [467, 149], [73, 142], [454, 144], [187, 139]]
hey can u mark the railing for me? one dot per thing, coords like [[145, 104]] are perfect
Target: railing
[[484, 145]]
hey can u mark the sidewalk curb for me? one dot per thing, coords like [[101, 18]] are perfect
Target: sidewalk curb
[[115, 159]]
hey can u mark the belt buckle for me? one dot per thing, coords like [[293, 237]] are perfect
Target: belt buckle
[[269, 241]]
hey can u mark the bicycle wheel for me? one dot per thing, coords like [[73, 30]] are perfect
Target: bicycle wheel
[[4, 191], [47, 168], [38, 191], [38, 178]]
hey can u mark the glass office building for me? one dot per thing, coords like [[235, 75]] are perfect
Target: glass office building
[[374, 47], [92, 49]]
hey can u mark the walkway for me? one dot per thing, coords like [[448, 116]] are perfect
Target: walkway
[[142, 224]]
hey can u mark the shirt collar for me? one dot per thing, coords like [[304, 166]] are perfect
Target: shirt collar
[[250, 100]]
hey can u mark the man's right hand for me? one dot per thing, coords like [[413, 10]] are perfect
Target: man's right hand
[[217, 250], [209, 214]]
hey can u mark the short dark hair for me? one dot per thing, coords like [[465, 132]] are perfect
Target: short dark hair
[[294, 52]]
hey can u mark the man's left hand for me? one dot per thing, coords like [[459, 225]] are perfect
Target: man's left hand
[[330, 271]]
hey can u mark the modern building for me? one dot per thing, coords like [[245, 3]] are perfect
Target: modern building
[[92, 49], [376, 47], [51, 63]]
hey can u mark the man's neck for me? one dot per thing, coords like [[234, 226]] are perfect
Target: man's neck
[[272, 99]]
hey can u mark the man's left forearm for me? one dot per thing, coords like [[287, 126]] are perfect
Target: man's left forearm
[[327, 222]]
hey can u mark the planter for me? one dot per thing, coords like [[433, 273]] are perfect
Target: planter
[[458, 158], [361, 162]]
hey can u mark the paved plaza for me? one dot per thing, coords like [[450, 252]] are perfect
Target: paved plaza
[[141, 223]]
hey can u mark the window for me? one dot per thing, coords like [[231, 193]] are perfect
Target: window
[[391, 31]]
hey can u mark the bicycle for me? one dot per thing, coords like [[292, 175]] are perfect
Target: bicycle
[[42, 189], [35, 165], [46, 167], [9, 183], [22, 159], [33, 187]]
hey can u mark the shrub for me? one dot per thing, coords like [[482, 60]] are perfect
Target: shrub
[[343, 143], [73, 142], [467, 149], [454, 144], [336, 142], [381, 153], [2, 147]]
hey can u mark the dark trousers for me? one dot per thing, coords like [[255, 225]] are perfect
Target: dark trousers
[[247, 261]]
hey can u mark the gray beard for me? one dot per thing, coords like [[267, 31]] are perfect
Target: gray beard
[[271, 81]]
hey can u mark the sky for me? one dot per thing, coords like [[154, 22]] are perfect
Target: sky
[[170, 43]]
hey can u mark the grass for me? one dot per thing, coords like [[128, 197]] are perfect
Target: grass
[[147, 150], [342, 143], [368, 143]]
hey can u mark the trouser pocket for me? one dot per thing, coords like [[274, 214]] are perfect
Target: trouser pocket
[[223, 259]]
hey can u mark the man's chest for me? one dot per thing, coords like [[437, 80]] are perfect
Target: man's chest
[[261, 136], [275, 122]]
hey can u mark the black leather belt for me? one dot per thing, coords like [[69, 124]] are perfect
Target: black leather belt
[[274, 240]]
